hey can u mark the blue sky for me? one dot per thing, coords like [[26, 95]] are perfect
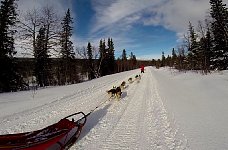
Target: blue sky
[[144, 27], [128, 32]]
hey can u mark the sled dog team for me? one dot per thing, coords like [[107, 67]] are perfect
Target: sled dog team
[[116, 92]]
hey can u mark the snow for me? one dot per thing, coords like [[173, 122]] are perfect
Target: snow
[[199, 104], [166, 109]]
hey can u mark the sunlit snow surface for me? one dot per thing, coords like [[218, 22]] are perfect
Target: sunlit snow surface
[[164, 110]]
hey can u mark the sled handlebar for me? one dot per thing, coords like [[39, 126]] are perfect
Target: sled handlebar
[[82, 120]]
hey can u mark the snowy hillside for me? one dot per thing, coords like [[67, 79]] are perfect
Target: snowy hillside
[[164, 110]]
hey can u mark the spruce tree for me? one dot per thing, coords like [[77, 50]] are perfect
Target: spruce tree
[[208, 50], [219, 26], [168, 61], [90, 62], [163, 60], [67, 53], [41, 59], [174, 59], [124, 60], [107, 59], [10, 79], [133, 61], [101, 57], [193, 50], [124, 55], [104, 59], [66, 33], [111, 56], [205, 46]]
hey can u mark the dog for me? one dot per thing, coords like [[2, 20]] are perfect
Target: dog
[[130, 80], [115, 92], [118, 92], [138, 77], [123, 85]]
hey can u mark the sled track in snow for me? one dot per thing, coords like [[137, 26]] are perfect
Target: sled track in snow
[[103, 129], [135, 122], [58, 109], [163, 133], [35, 118]]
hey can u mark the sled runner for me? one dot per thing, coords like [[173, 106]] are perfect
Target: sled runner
[[58, 136]]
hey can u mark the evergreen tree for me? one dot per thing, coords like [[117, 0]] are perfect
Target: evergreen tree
[[101, 50], [90, 62], [103, 58], [193, 49], [10, 79], [219, 13], [208, 50], [41, 59], [174, 58], [111, 57], [181, 59], [163, 60], [133, 61], [67, 53], [107, 59], [205, 46], [100, 58], [153, 62], [124, 60], [124, 55], [66, 33], [158, 64], [168, 61]]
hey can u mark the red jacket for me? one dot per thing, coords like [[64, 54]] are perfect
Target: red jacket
[[142, 67]]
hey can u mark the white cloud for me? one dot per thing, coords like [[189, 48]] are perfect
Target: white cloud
[[149, 57], [60, 6], [110, 12], [174, 15]]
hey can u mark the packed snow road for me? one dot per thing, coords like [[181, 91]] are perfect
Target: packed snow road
[[137, 121]]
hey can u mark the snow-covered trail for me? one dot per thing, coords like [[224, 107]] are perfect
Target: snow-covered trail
[[52, 104], [167, 109], [138, 121]]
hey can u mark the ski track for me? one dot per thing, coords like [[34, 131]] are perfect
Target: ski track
[[135, 122], [38, 117]]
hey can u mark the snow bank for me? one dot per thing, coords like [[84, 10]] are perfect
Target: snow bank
[[199, 105]]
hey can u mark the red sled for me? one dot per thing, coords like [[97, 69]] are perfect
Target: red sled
[[59, 136]]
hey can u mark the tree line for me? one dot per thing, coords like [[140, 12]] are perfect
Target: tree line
[[101, 61], [44, 35], [203, 49]]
